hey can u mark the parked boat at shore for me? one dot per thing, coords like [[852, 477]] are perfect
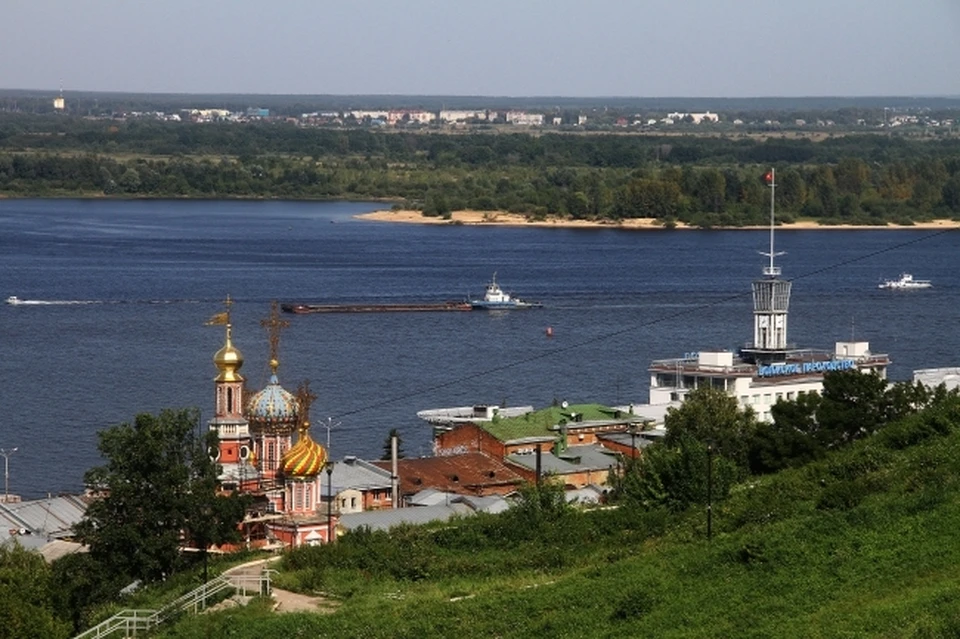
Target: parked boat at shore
[[906, 281]]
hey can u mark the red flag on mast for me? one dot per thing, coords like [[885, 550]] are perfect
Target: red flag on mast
[[768, 177]]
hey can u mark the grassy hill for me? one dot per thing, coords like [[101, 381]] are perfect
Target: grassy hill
[[861, 544]]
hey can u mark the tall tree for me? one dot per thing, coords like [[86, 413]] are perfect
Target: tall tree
[[675, 474], [853, 405], [710, 416], [159, 488], [84, 585], [388, 446], [711, 189], [951, 193], [791, 190], [26, 609], [791, 439], [853, 176]]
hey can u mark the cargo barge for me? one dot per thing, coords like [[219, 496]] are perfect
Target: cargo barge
[[375, 308]]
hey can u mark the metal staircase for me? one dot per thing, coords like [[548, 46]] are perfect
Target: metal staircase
[[130, 622]]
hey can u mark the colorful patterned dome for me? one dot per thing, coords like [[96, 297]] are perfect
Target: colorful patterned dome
[[306, 458], [229, 360], [273, 408]]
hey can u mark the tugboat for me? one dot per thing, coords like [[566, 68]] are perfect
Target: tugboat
[[495, 299], [906, 281]]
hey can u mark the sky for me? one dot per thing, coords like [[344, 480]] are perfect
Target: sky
[[582, 48]]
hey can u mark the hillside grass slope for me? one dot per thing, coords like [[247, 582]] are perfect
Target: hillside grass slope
[[861, 544]]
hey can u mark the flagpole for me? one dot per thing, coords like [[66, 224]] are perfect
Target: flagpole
[[773, 189]]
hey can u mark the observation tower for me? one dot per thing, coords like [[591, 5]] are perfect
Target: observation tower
[[771, 302]]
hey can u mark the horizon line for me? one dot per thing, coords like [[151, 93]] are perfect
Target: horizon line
[[916, 96]]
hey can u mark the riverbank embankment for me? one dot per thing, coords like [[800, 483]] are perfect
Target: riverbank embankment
[[502, 218]]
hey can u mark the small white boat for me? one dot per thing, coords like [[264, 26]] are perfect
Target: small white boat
[[495, 299], [13, 299], [906, 281]]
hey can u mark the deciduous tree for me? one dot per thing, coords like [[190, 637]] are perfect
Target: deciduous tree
[[853, 405], [709, 415], [158, 490], [26, 610]]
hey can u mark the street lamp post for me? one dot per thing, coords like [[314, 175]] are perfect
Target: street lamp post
[[329, 502], [709, 492], [6, 472]]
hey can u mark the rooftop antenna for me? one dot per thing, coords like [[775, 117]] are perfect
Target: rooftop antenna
[[771, 179]]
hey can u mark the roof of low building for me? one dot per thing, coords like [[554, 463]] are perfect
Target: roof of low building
[[429, 497], [588, 495], [935, 376], [433, 497], [488, 504], [351, 472], [392, 517], [639, 440], [575, 459], [547, 421], [466, 473], [50, 518]]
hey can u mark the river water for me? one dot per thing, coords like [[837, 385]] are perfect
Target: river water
[[134, 281]]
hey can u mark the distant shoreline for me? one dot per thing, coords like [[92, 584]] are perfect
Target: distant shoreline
[[502, 218]]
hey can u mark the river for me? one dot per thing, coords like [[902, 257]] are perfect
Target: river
[[141, 278]]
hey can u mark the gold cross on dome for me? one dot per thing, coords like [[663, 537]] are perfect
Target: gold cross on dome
[[273, 326], [305, 398]]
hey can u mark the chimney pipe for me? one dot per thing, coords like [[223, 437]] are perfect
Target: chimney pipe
[[538, 464]]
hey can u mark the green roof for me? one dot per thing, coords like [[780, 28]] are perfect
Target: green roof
[[539, 423]]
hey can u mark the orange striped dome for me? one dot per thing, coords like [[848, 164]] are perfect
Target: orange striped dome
[[306, 458]]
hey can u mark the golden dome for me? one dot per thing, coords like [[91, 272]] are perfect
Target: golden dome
[[306, 458], [229, 360]]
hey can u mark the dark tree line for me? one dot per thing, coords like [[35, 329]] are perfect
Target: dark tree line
[[704, 181], [851, 407]]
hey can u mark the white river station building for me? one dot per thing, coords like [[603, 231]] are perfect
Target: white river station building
[[768, 370]]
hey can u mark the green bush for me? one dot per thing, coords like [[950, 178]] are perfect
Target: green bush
[[842, 495]]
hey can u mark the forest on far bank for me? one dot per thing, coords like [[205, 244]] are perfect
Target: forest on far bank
[[701, 180]]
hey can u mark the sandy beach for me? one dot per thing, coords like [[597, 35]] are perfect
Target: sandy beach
[[501, 218]]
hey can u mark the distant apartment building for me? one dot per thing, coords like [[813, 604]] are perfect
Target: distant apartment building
[[360, 116], [402, 116], [522, 118], [206, 115], [458, 116], [697, 118]]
